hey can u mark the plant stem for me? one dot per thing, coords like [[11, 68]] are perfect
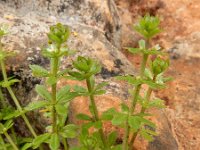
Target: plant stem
[[65, 144], [4, 106], [10, 141], [54, 70], [134, 100], [13, 134], [133, 103], [2, 99], [2, 142], [20, 109], [143, 109], [95, 111]]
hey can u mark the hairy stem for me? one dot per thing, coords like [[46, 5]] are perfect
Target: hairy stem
[[54, 70], [95, 111], [10, 141]]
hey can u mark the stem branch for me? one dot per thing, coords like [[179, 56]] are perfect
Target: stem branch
[[15, 99], [134, 100], [95, 114], [143, 109], [10, 141]]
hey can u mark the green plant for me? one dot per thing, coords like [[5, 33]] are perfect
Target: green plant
[[133, 122], [56, 101], [86, 69]]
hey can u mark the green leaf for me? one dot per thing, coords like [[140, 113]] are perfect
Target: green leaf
[[80, 90], [124, 108], [23, 140], [27, 146], [67, 97], [153, 52], [84, 117], [146, 134], [36, 105], [8, 124], [153, 85], [142, 44], [42, 91], [119, 119], [101, 85], [150, 132], [158, 103], [130, 79], [77, 75], [48, 54], [54, 142], [54, 38], [160, 79], [112, 138], [61, 109], [13, 114], [69, 131], [51, 80], [108, 114], [82, 64], [1, 128], [98, 141], [134, 122], [40, 139], [148, 74], [99, 92], [147, 122], [97, 124], [85, 127], [63, 93], [167, 79], [39, 71], [134, 50], [9, 83]]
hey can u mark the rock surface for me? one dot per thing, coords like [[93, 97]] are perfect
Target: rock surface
[[95, 31]]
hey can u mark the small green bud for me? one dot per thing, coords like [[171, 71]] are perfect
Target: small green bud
[[86, 65], [148, 26], [159, 65], [58, 34]]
